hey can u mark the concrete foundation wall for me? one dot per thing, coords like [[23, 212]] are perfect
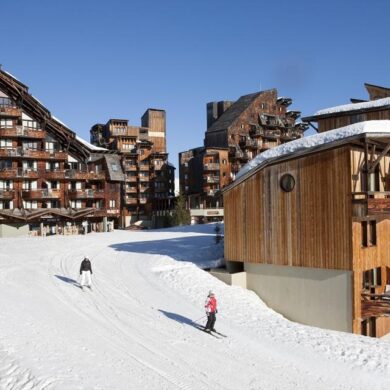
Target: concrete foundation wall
[[236, 279], [314, 297], [14, 230]]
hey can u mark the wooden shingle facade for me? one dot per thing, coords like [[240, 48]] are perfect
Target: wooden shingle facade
[[50, 179], [311, 227], [236, 133], [148, 191]]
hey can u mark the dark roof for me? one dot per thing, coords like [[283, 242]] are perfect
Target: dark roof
[[113, 160], [233, 112], [376, 86]]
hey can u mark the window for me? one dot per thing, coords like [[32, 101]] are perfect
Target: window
[[6, 143], [49, 146], [30, 204], [75, 204], [30, 165], [6, 204], [114, 167], [112, 203], [5, 164], [30, 145], [287, 182], [6, 184], [6, 123], [29, 185], [368, 236]]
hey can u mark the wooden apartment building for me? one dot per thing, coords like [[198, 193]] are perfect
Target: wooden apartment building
[[310, 224], [51, 180], [236, 133], [148, 191]]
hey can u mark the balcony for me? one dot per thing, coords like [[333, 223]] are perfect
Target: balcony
[[131, 179], [143, 200], [86, 194], [144, 167], [211, 167], [211, 179], [54, 174], [33, 153], [130, 167], [84, 175], [131, 201], [128, 131], [22, 132], [131, 190], [42, 193], [144, 178], [272, 134], [6, 194], [8, 108], [143, 189], [370, 203], [375, 305]]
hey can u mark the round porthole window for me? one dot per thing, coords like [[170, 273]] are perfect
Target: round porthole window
[[287, 182]]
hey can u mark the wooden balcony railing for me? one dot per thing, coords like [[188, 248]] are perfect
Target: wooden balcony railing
[[211, 167], [375, 305], [7, 194], [131, 200], [370, 203], [211, 179], [84, 175], [87, 193], [41, 193], [8, 107], [22, 132], [33, 153], [129, 167]]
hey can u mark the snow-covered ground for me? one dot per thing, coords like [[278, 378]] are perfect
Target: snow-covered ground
[[135, 331]]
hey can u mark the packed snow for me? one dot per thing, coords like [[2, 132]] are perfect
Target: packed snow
[[135, 328], [354, 106], [306, 143]]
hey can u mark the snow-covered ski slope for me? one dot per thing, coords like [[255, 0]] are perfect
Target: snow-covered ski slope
[[133, 330]]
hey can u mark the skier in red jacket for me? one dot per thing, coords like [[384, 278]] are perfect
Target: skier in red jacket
[[211, 310]]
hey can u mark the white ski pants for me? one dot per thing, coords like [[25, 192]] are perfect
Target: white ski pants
[[86, 278]]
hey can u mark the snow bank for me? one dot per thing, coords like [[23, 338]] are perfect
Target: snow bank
[[354, 106], [307, 143]]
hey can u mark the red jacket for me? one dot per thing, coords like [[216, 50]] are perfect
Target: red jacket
[[211, 305]]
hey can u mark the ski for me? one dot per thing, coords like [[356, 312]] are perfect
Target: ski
[[204, 330], [219, 333]]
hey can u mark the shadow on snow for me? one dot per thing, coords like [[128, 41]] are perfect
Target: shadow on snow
[[68, 280], [181, 319], [200, 250]]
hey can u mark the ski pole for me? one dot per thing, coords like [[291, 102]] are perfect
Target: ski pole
[[201, 318]]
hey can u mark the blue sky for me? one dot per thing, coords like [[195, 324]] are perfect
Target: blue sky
[[91, 60]]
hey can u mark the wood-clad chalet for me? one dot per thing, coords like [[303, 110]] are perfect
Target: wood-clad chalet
[[378, 107], [241, 130], [149, 178], [309, 222], [50, 179]]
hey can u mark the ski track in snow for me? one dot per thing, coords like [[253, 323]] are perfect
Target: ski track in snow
[[134, 329]]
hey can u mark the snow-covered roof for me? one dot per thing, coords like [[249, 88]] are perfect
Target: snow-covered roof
[[90, 146], [307, 143], [355, 106]]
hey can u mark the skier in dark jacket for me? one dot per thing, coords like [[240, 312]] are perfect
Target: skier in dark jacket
[[86, 272]]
